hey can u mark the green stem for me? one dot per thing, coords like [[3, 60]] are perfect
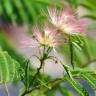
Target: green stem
[[66, 67], [41, 65], [71, 51], [51, 85], [33, 79], [42, 59], [38, 71], [26, 75]]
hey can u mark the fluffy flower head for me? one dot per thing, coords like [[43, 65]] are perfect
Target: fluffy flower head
[[65, 21], [49, 37]]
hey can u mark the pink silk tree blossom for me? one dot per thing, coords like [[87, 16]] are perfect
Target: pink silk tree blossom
[[65, 21], [49, 37]]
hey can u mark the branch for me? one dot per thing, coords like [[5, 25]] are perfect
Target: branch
[[38, 71], [51, 85]]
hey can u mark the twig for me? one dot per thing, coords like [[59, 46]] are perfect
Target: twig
[[38, 71], [51, 84], [66, 67], [26, 74]]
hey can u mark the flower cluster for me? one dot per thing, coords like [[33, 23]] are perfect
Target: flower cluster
[[62, 22]]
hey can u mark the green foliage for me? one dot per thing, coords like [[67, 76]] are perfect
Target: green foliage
[[77, 87], [84, 51], [64, 91], [73, 3], [89, 79], [5, 45], [84, 54], [24, 11], [90, 6], [36, 93], [58, 85], [9, 68]]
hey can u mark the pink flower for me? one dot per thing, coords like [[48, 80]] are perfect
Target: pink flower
[[49, 37], [65, 21]]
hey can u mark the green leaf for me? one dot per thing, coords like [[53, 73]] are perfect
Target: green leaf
[[77, 87], [50, 93], [89, 79], [9, 68], [21, 12], [24, 11], [64, 91], [91, 16], [7, 46], [90, 6]]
